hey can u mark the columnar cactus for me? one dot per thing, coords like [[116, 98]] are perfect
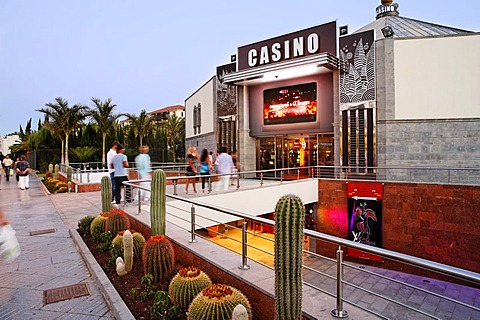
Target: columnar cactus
[[55, 170], [158, 258], [138, 243], [186, 284], [97, 226], [117, 220], [50, 168], [128, 250], [289, 223], [69, 173], [106, 194], [217, 302], [158, 203]]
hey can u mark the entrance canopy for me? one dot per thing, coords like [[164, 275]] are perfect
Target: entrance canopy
[[306, 66]]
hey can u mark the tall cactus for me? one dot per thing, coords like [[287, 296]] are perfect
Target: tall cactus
[[217, 302], [158, 203], [106, 194], [56, 167], [128, 250], [289, 223], [50, 168]]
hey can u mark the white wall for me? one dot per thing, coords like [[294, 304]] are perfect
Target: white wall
[[8, 141], [437, 78], [205, 95]]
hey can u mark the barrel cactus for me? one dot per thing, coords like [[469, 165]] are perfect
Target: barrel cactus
[[186, 284], [158, 203], [217, 302], [289, 223], [97, 226], [106, 194], [158, 258], [117, 220]]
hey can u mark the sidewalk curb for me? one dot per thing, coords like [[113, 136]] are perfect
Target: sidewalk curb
[[113, 299]]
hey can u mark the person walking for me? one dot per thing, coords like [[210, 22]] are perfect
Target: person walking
[[224, 166], [23, 168], [7, 166], [144, 169], [205, 166], [119, 164], [191, 170], [9, 247], [110, 154]]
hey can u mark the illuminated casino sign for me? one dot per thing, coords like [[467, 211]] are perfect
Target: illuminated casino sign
[[311, 41]]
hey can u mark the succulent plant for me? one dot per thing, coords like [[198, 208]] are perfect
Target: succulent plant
[[97, 227], [128, 250], [56, 167], [117, 220], [240, 313], [106, 193], [69, 174], [50, 167], [158, 258], [217, 302], [186, 284], [289, 222], [158, 203], [138, 243]]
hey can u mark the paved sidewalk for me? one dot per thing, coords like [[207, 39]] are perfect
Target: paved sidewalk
[[47, 261]]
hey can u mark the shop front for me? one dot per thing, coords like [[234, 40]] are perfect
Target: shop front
[[294, 151], [286, 96]]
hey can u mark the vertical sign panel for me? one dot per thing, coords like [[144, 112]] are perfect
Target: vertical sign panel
[[365, 216]]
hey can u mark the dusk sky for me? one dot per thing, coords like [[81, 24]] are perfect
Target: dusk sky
[[151, 54]]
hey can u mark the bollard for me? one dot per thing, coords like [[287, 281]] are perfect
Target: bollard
[[244, 265], [339, 312], [192, 225]]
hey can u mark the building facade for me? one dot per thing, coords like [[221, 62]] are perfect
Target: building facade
[[396, 93]]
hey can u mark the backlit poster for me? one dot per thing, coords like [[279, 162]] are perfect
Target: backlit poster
[[365, 216]]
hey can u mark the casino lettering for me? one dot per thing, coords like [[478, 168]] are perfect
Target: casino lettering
[[284, 50]]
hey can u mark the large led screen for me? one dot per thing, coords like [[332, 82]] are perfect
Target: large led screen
[[290, 104]]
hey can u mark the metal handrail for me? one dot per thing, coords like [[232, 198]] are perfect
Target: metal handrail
[[338, 312]]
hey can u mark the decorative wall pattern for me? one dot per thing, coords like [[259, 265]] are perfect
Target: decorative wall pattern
[[357, 57]]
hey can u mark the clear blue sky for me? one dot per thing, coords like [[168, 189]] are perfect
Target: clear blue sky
[[151, 54]]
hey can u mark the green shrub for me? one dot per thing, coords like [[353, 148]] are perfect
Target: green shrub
[[84, 225]]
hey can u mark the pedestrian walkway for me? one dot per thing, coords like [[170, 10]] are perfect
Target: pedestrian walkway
[[47, 261]]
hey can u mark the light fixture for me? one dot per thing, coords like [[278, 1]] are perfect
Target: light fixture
[[387, 32]]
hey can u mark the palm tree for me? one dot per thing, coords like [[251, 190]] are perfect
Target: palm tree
[[174, 128], [66, 118], [103, 116], [53, 119], [140, 124]]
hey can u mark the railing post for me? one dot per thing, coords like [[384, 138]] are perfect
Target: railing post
[[139, 195], [238, 180], [281, 176], [261, 179], [209, 184], [244, 265], [175, 193], [298, 174], [339, 312], [124, 194], [192, 225]]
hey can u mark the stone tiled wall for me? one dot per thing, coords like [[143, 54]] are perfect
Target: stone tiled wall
[[430, 221]]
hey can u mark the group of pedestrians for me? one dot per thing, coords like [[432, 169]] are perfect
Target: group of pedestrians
[[117, 163], [19, 168], [225, 165]]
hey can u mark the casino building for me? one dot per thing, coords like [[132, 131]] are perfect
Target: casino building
[[397, 92]]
